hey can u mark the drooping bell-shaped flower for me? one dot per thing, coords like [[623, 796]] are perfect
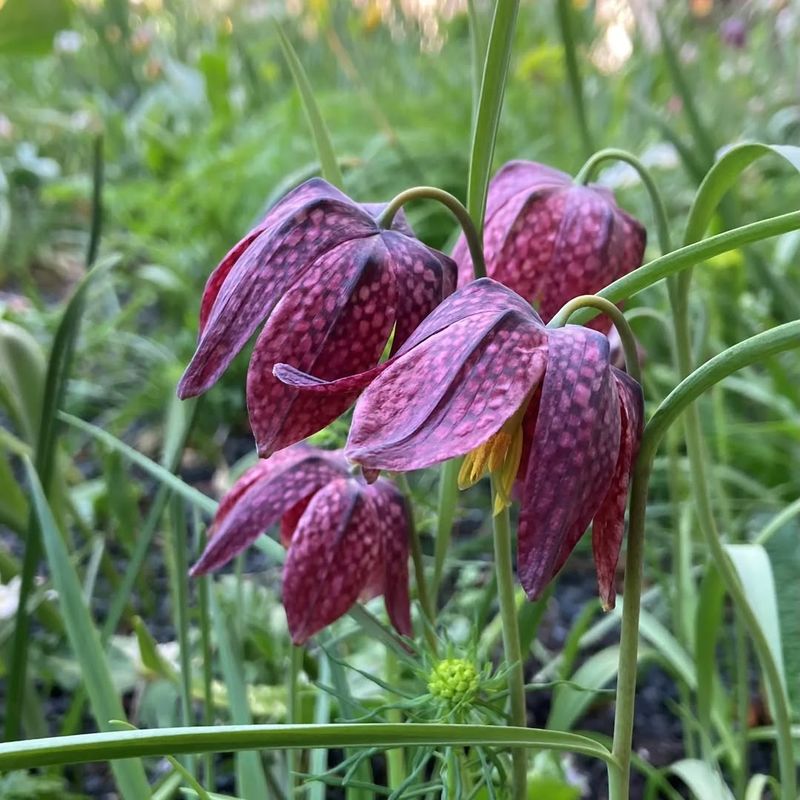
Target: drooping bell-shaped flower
[[551, 239], [331, 285], [347, 540], [482, 377]]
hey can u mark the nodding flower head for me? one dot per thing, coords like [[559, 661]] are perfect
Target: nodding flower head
[[551, 239], [332, 285], [543, 410], [347, 540]]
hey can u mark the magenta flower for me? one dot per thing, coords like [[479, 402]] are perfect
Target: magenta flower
[[550, 239], [331, 285], [346, 540], [483, 378]]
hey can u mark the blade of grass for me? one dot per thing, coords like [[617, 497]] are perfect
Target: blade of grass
[[58, 368], [322, 139], [487, 118], [83, 637], [251, 782]]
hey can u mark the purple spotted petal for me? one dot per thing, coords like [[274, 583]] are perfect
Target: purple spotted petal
[[392, 514], [424, 278], [550, 239], [273, 263], [336, 321], [478, 298], [573, 453], [609, 522], [333, 554], [314, 189], [516, 186], [260, 497], [448, 394]]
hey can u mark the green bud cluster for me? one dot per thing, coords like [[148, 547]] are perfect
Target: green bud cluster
[[454, 680]]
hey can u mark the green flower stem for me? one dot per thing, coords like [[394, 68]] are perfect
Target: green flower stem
[[504, 568], [395, 758], [753, 350], [564, 10], [657, 202], [423, 595], [686, 257], [445, 516], [109, 746], [454, 205], [617, 317], [293, 714]]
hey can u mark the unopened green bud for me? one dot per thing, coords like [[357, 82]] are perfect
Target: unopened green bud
[[454, 680]]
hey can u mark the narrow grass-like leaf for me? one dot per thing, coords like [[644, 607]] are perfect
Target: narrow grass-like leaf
[[58, 369], [83, 637], [322, 140], [251, 782], [755, 573], [708, 627], [84, 748], [703, 780], [487, 119], [204, 503]]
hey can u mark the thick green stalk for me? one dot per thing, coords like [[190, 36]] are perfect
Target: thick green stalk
[[504, 568], [293, 715], [395, 758], [753, 350], [563, 14], [452, 204]]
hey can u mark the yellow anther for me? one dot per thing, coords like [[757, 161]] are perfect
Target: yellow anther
[[500, 455]]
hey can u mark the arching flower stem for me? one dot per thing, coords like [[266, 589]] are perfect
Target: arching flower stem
[[454, 205], [617, 317]]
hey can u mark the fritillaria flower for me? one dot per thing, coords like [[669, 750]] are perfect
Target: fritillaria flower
[[543, 409], [347, 540], [551, 239], [331, 285]]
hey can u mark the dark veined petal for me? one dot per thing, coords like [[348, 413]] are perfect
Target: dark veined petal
[[272, 264], [424, 278], [574, 450], [609, 523], [482, 297], [314, 189], [333, 553], [515, 186], [260, 497], [290, 519], [334, 322], [450, 393], [393, 519]]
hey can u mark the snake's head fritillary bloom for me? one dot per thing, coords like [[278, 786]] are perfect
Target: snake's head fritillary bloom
[[551, 239], [331, 285], [482, 377], [346, 540]]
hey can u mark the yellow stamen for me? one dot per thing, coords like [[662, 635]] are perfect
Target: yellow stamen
[[500, 455]]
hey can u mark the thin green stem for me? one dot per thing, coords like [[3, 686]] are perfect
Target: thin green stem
[[445, 516], [180, 602], [753, 350], [742, 707], [395, 758], [504, 567], [617, 317], [293, 715], [205, 644], [452, 204], [659, 211], [563, 14]]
